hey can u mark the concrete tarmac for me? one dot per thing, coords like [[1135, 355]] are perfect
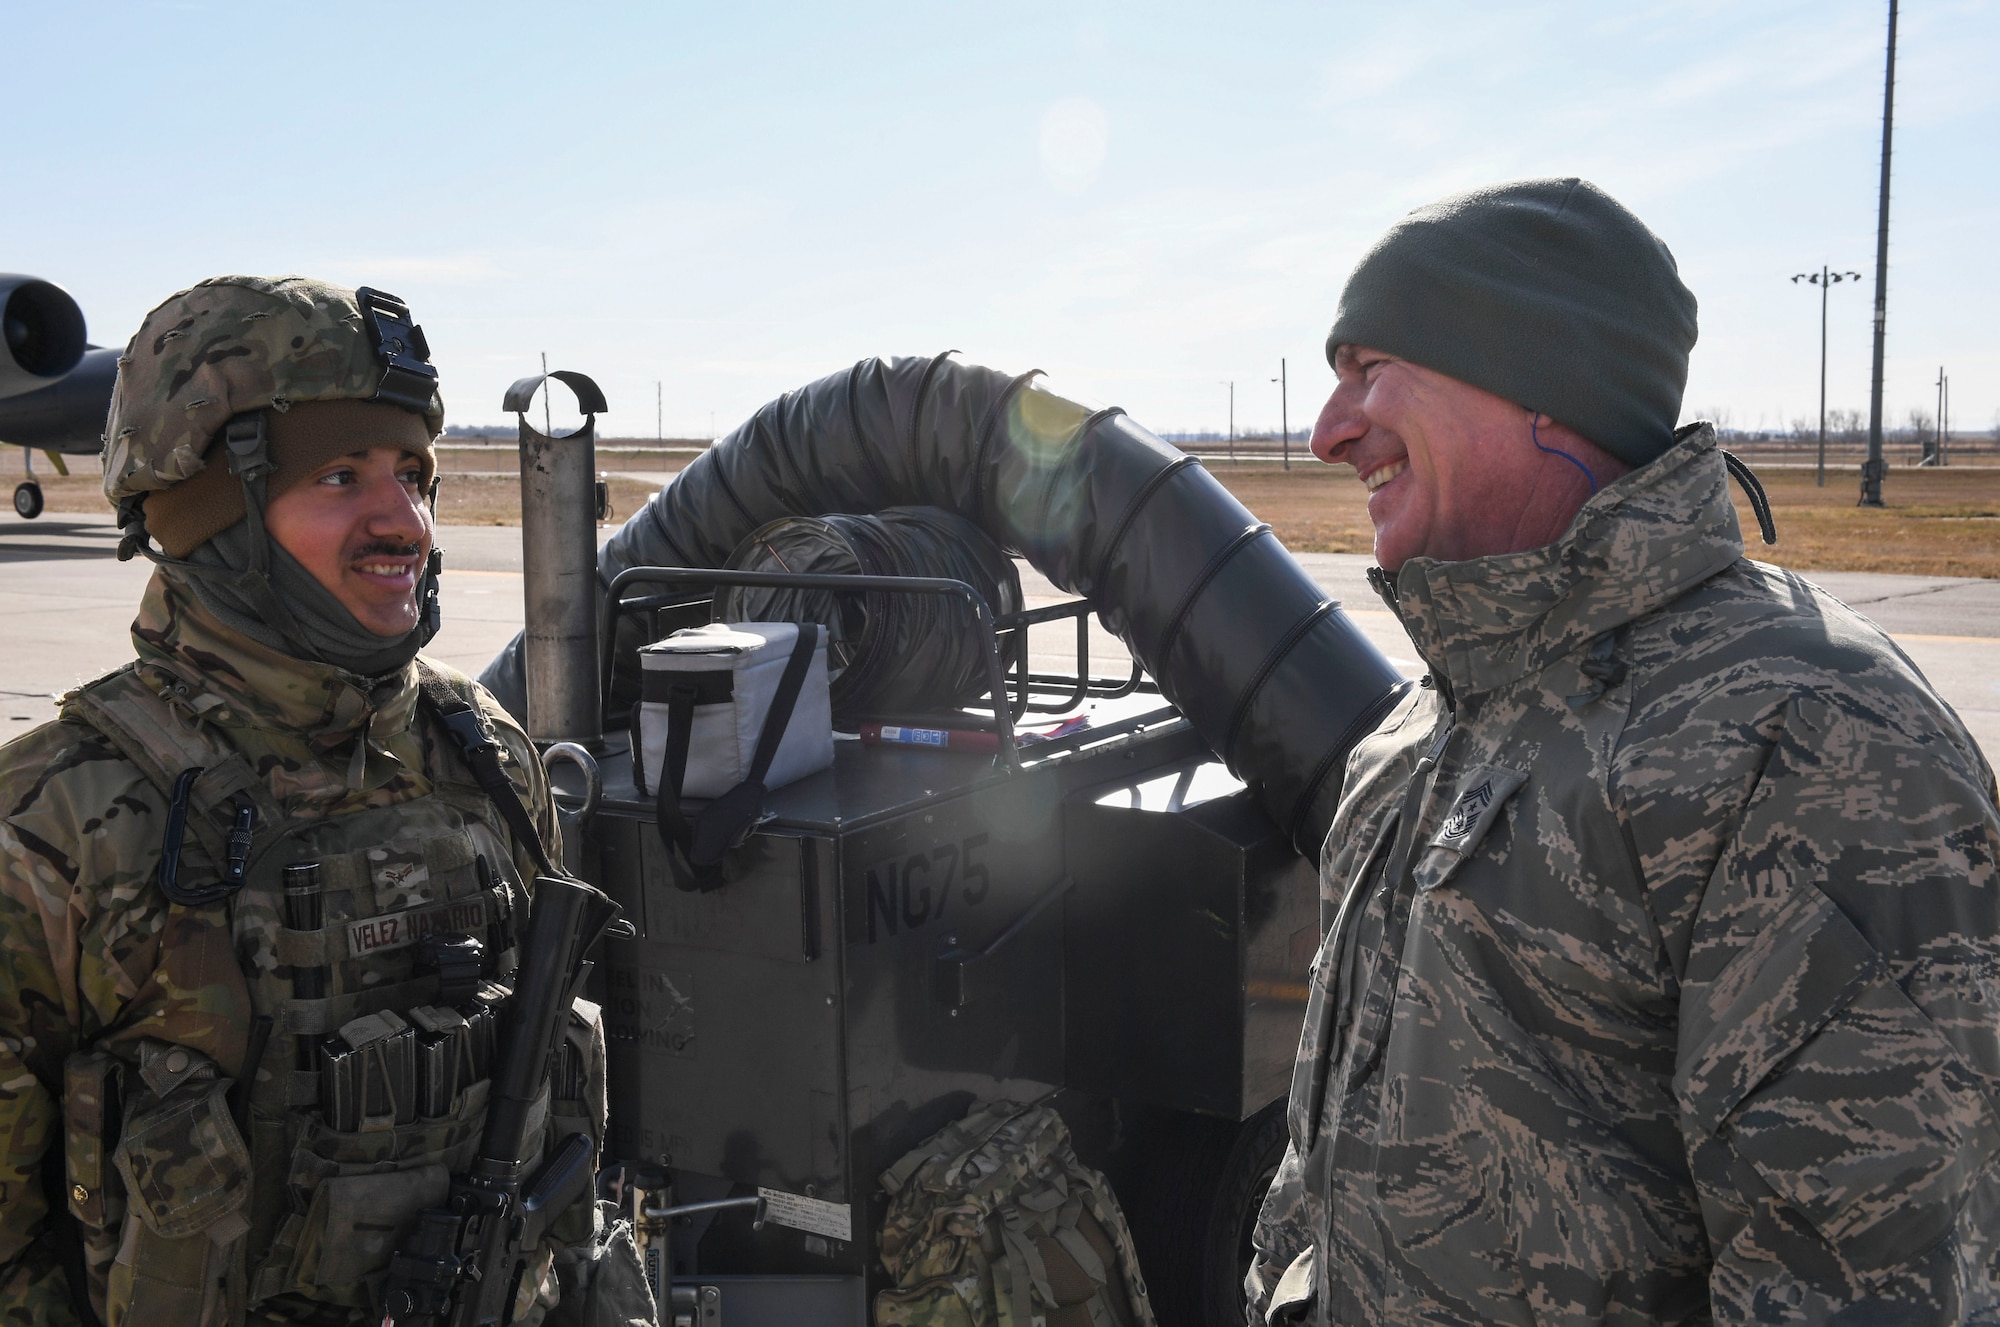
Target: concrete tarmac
[[67, 604]]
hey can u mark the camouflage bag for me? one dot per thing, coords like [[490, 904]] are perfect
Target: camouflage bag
[[603, 1283], [993, 1222]]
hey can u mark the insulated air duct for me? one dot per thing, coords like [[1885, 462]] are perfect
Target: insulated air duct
[[1278, 682]]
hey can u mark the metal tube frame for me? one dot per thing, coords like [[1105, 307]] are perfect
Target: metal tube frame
[[1075, 688], [996, 682], [1070, 689]]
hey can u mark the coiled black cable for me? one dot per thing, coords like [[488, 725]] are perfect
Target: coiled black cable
[[886, 652]]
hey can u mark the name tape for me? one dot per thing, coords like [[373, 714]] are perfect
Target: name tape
[[400, 930]]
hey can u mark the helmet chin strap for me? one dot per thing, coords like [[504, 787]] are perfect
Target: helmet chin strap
[[430, 610], [250, 461], [248, 450]]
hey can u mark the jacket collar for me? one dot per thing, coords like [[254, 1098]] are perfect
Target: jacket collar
[[1636, 545], [261, 687]]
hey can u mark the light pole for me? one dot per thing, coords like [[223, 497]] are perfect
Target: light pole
[[1284, 416], [1231, 385], [659, 412], [1871, 469], [1944, 406], [1825, 278]]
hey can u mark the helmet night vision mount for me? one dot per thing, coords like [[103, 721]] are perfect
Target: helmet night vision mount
[[408, 378]]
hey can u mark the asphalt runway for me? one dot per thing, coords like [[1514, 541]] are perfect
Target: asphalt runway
[[67, 605]]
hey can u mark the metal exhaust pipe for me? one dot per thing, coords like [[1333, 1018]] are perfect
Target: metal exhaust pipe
[[559, 565]]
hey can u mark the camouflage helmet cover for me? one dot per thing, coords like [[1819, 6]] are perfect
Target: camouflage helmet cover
[[231, 344]]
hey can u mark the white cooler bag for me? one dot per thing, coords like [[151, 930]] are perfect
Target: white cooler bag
[[728, 711]]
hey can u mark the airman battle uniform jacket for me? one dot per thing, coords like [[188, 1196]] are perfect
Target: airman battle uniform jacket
[[126, 1019], [1661, 975]]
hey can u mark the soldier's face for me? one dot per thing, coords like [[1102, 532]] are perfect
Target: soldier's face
[[1451, 470], [361, 526]]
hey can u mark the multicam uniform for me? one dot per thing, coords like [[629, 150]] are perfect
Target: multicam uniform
[[124, 1018], [1689, 1005]]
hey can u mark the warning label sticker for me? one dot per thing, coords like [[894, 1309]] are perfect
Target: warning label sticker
[[833, 1220]]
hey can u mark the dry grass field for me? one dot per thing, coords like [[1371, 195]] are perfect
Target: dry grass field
[[496, 499], [1938, 523]]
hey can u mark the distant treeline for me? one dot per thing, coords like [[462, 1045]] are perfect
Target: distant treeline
[[1850, 427]]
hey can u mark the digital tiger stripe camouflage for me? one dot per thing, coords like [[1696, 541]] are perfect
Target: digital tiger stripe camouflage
[[1688, 1008]]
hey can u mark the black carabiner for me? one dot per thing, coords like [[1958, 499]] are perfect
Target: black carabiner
[[170, 847]]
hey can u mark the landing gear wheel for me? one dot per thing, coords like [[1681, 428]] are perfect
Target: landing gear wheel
[[28, 500]]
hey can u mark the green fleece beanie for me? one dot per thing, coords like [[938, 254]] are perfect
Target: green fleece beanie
[[1545, 292]]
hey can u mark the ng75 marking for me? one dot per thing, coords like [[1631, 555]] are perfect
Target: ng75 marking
[[916, 889]]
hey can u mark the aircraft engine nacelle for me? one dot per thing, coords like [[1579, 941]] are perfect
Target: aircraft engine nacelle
[[41, 334], [68, 414]]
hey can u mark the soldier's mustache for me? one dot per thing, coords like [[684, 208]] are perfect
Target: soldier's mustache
[[387, 548]]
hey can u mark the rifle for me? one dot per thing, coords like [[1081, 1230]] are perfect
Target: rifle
[[462, 1263]]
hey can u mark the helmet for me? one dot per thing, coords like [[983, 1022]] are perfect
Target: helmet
[[241, 343], [224, 361]]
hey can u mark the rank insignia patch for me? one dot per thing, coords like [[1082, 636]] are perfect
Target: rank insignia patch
[[1482, 792]]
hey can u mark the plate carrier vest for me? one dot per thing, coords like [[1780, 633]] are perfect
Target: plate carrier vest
[[195, 1204]]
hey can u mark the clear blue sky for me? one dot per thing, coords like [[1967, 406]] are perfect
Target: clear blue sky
[[1145, 200]]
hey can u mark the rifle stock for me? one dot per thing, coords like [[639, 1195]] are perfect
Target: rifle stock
[[462, 1263]]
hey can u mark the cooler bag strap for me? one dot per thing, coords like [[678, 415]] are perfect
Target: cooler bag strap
[[681, 699], [682, 695], [782, 704], [698, 845]]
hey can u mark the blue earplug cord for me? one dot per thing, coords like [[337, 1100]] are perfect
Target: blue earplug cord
[[1536, 435]]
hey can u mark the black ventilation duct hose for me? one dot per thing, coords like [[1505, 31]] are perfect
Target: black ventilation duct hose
[[1279, 684]]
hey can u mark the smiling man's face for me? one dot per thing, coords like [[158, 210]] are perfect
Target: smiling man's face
[[361, 526], [1453, 471]]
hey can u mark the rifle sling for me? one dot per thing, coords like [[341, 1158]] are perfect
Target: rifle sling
[[460, 719]]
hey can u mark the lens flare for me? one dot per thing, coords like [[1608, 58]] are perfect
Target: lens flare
[[1040, 429]]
